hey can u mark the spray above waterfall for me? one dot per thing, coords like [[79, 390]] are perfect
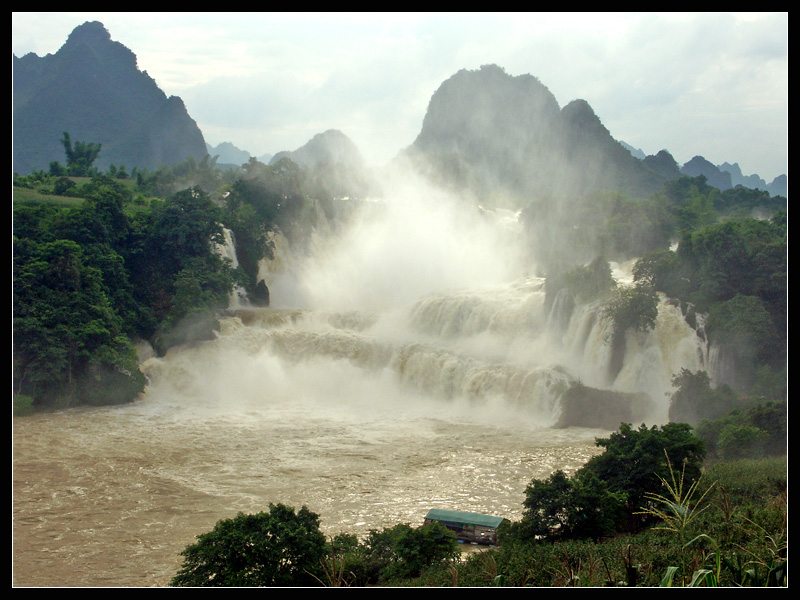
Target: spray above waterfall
[[425, 299], [416, 240]]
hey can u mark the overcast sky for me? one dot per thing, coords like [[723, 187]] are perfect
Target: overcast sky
[[709, 84]]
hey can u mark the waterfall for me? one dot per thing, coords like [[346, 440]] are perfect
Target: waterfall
[[478, 350], [228, 250], [431, 298]]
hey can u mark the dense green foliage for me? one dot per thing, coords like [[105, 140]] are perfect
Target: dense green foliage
[[142, 264], [621, 227], [604, 496], [583, 283], [69, 342], [728, 274], [694, 399], [736, 272], [756, 431], [635, 226], [280, 547], [165, 181], [92, 277], [102, 260], [633, 308], [394, 554], [570, 508], [745, 529], [79, 157], [726, 527], [73, 302]]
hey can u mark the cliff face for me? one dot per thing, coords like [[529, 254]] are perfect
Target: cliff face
[[93, 89]]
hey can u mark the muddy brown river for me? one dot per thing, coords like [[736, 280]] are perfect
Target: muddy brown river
[[110, 497]]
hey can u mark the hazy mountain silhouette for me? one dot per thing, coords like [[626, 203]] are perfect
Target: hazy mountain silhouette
[[726, 176], [329, 147], [335, 165], [485, 131], [500, 135], [700, 166], [637, 152], [506, 135], [722, 176], [228, 154], [754, 182], [92, 88]]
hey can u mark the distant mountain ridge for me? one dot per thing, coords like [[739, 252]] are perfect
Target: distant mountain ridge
[[335, 165], [228, 154], [484, 131], [509, 134], [488, 131], [92, 89], [329, 147], [726, 176]]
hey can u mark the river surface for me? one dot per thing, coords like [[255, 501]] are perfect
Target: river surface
[[110, 496]]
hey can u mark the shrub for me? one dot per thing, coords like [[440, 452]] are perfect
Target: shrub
[[739, 441], [275, 548]]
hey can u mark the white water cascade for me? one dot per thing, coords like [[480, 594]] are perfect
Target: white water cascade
[[406, 362], [228, 250], [436, 299]]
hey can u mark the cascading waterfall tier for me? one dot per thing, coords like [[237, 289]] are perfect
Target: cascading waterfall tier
[[431, 297], [422, 368]]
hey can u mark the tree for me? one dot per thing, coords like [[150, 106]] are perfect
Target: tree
[[80, 157], [743, 329], [636, 227], [68, 341], [633, 308], [572, 508], [585, 283], [251, 238], [403, 552], [172, 244], [695, 400], [90, 278], [62, 186], [279, 547], [605, 495], [741, 441], [545, 505], [200, 289], [760, 430], [421, 547], [663, 271], [635, 460]]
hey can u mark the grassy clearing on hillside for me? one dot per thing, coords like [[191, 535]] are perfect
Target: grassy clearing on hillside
[[23, 195]]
